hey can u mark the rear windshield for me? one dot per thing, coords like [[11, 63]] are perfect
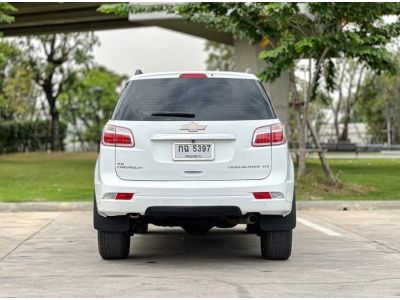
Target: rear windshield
[[201, 99]]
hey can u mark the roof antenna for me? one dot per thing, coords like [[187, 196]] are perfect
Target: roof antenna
[[138, 72], [248, 71]]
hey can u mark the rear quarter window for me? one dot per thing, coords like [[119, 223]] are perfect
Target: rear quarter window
[[202, 99]]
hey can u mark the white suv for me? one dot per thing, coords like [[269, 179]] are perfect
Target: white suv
[[195, 150]]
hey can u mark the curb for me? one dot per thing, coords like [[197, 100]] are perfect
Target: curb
[[301, 205], [46, 206], [348, 205]]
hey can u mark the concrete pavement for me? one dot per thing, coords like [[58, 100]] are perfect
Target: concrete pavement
[[335, 254]]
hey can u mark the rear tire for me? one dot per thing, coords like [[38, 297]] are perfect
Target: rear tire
[[251, 228], [276, 245], [113, 245], [141, 228]]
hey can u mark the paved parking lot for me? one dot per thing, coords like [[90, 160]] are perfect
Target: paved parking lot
[[336, 253]]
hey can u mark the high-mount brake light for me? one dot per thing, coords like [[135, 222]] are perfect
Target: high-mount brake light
[[269, 135], [193, 75], [117, 136]]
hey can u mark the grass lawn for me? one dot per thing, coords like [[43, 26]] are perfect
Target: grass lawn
[[361, 179], [69, 177], [46, 176]]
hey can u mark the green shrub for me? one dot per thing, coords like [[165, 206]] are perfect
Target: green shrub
[[25, 136]]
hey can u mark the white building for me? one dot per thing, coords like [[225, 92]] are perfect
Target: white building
[[358, 133]]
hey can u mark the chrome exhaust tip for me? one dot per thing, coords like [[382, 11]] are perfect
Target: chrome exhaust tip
[[251, 219]]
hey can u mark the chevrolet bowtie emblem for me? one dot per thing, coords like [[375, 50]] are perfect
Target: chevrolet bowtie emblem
[[193, 127]]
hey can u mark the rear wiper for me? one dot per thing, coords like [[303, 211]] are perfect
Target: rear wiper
[[173, 114]]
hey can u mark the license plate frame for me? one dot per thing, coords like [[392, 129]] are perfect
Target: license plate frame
[[174, 152]]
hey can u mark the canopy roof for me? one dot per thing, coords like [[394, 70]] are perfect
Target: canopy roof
[[52, 17]]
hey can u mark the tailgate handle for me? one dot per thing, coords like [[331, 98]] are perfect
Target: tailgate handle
[[193, 172]]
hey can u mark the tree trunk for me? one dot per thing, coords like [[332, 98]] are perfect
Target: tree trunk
[[351, 101], [321, 154], [55, 128], [344, 137], [311, 88], [301, 138], [336, 111], [47, 86], [336, 124]]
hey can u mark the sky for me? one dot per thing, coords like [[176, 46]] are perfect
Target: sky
[[151, 49]]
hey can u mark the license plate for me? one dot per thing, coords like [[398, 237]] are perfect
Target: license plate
[[190, 151]]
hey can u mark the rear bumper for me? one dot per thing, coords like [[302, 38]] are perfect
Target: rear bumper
[[246, 204], [195, 194]]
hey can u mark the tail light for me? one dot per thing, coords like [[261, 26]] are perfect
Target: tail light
[[117, 136], [269, 135], [193, 75]]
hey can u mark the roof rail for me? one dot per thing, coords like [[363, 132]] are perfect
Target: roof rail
[[138, 72]]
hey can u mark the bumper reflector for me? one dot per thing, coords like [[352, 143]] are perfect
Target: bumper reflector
[[118, 196], [109, 196], [276, 195], [262, 195], [123, 196], [267, 195]]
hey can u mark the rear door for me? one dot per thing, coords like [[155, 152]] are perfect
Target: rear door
[[193, 129]]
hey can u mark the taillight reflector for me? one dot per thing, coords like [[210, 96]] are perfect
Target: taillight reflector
[[117, 136], [124, 196], [262, 195], [269, 135], [193, 75]]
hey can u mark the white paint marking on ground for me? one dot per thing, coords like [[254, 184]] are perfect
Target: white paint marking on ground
[[320, 228]]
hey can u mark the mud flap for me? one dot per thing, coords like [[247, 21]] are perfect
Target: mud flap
[[110, 224], [278, 223]]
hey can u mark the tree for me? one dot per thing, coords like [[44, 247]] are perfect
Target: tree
[[6, 50], [4, 9], [343, 98], [220, 56], [292, 31], [18, 95], [53, 59], [89, 101], [8, 54], [18, 92], [379, 107]]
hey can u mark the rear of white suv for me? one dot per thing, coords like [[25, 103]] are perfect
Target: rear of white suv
[[195, 150]]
